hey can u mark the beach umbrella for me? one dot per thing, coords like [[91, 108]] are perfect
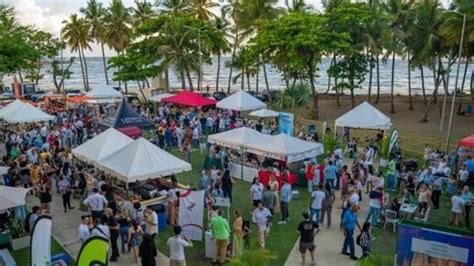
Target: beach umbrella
[[264, 113]]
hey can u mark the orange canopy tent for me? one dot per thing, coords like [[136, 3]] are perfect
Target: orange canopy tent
[[78, 99]]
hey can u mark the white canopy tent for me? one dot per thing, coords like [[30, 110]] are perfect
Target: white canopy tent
[[364, 116], [285, 147], [238, 138], [101, 146], [21, 112], [157, 97], [104, 91], [11, 197], [141, 160], [264, 113], [241, 101]]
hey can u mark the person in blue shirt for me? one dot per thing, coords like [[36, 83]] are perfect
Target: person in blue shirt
[[469, 164], [349, 223], [330, 173], [285, 199]]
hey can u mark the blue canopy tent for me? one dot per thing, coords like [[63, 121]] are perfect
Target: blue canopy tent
[[126, 117]]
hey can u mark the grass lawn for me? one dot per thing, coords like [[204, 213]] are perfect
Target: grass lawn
[[22, 256], [281, 238]]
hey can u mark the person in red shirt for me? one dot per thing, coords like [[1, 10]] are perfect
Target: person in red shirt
[[310, 176]]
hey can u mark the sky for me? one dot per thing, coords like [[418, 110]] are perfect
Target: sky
[[47, 15]]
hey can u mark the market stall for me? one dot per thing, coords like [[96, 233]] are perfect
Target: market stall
[[104, 91], [241, 101], [125, 117], [364, 116], [21, 112], [264, 113], [189, 98], [11, 197]]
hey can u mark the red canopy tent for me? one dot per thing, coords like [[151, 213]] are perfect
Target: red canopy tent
[[467, 141], [189, 98]]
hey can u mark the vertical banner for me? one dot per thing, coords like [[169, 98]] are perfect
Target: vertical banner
[[393, 140], [93, 252], [418, 246], [285, 123], [40, 242], [191, 213]]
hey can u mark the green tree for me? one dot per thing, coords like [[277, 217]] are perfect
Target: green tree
[[201, 9], [221, 45], [75, 32], [59, 72], [94, 15]]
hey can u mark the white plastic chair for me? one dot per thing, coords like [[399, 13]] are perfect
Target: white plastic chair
[[390, 218], [425, 217]]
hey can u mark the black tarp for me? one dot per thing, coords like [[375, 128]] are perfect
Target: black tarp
[[125, 116]]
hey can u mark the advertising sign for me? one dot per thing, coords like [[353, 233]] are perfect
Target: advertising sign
[[191, 213], [285, 123]]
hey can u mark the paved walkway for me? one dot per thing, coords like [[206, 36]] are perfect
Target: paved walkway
[[329, 241], [65, 231]]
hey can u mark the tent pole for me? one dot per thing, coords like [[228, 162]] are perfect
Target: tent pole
[[242, 165]]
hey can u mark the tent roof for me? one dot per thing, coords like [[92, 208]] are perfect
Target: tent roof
[[467, 141], [364, 116], [241, 101], [238, 138], [104, 91], [21, 112], [142, 160], [189, 98], [285, 147], [12, 197], [157, 97], [264, 113], [101, 146], [125, 116]]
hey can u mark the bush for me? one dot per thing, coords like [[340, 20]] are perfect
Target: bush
[[295, 96]]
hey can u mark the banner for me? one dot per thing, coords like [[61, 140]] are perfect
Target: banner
[[285, 123], [419, 246], [393, 140], [93, 252], [40, 242], [191, 213]]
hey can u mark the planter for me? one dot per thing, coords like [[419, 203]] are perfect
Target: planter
[[20, 243], [383, 163]]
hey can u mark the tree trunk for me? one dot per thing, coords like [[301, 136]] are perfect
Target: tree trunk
[[147, 83], [435, 78], [409, 83], [333, 61], [266, 82], [338, 101], [314, 93], [167, 80], [287, 82], [351, 82], [377, 98], [232, 60], [105, 63], [183, 79], [85, 69], [371, 62], [248, 81], [20, 76], [423, 84], [445, 96], [392, 84], [82, 69], [462, 86], [218, 70], [242, 79], [126, 86], [188, 74], [433, 96], [38, 72], [257, 77], [140, 88]]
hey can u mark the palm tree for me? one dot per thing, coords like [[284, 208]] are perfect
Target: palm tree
[[76, 34], [234, 12], [118, 34], [94, 13], [222, 27], [174, 7], [142, 12], [398, 9], [298, 6], [201, 9]]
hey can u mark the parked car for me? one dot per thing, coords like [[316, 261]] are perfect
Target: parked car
[[219, 95]]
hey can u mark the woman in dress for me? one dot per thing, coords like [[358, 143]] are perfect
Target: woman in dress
[[237, 236], [135, 238], [274, 187], [148, 251], [45, 195]]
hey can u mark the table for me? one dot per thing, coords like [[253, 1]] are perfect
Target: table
[[236, 170], [264, 176], [407, 211]]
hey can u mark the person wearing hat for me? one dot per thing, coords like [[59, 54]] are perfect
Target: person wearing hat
[[96, 203]]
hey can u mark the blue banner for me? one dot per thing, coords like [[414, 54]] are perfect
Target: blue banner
[[285, 123], [425, 246]]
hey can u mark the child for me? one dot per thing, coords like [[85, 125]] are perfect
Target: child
[[364, 240], [451, 189]]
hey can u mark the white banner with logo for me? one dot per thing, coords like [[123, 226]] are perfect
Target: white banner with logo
[[40, 244], [191, 213]]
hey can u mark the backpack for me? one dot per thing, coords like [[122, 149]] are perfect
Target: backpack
[[358, 239]]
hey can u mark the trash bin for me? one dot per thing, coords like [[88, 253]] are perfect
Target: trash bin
[[160, 210]]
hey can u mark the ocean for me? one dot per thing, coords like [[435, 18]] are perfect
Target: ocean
[[96, 77]]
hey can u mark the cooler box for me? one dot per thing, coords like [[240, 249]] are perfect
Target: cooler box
[[210, 245], [160, 210]]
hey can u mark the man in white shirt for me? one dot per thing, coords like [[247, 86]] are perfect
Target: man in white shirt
[[83, 229], [457, 208], [354, 197], [100, 230], [317, 199], [261, 217], [177, 243], [96, 203], [256, 192], [151, 219]]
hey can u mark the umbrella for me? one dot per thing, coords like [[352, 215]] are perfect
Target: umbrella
[[264, 113], [12, 197]]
